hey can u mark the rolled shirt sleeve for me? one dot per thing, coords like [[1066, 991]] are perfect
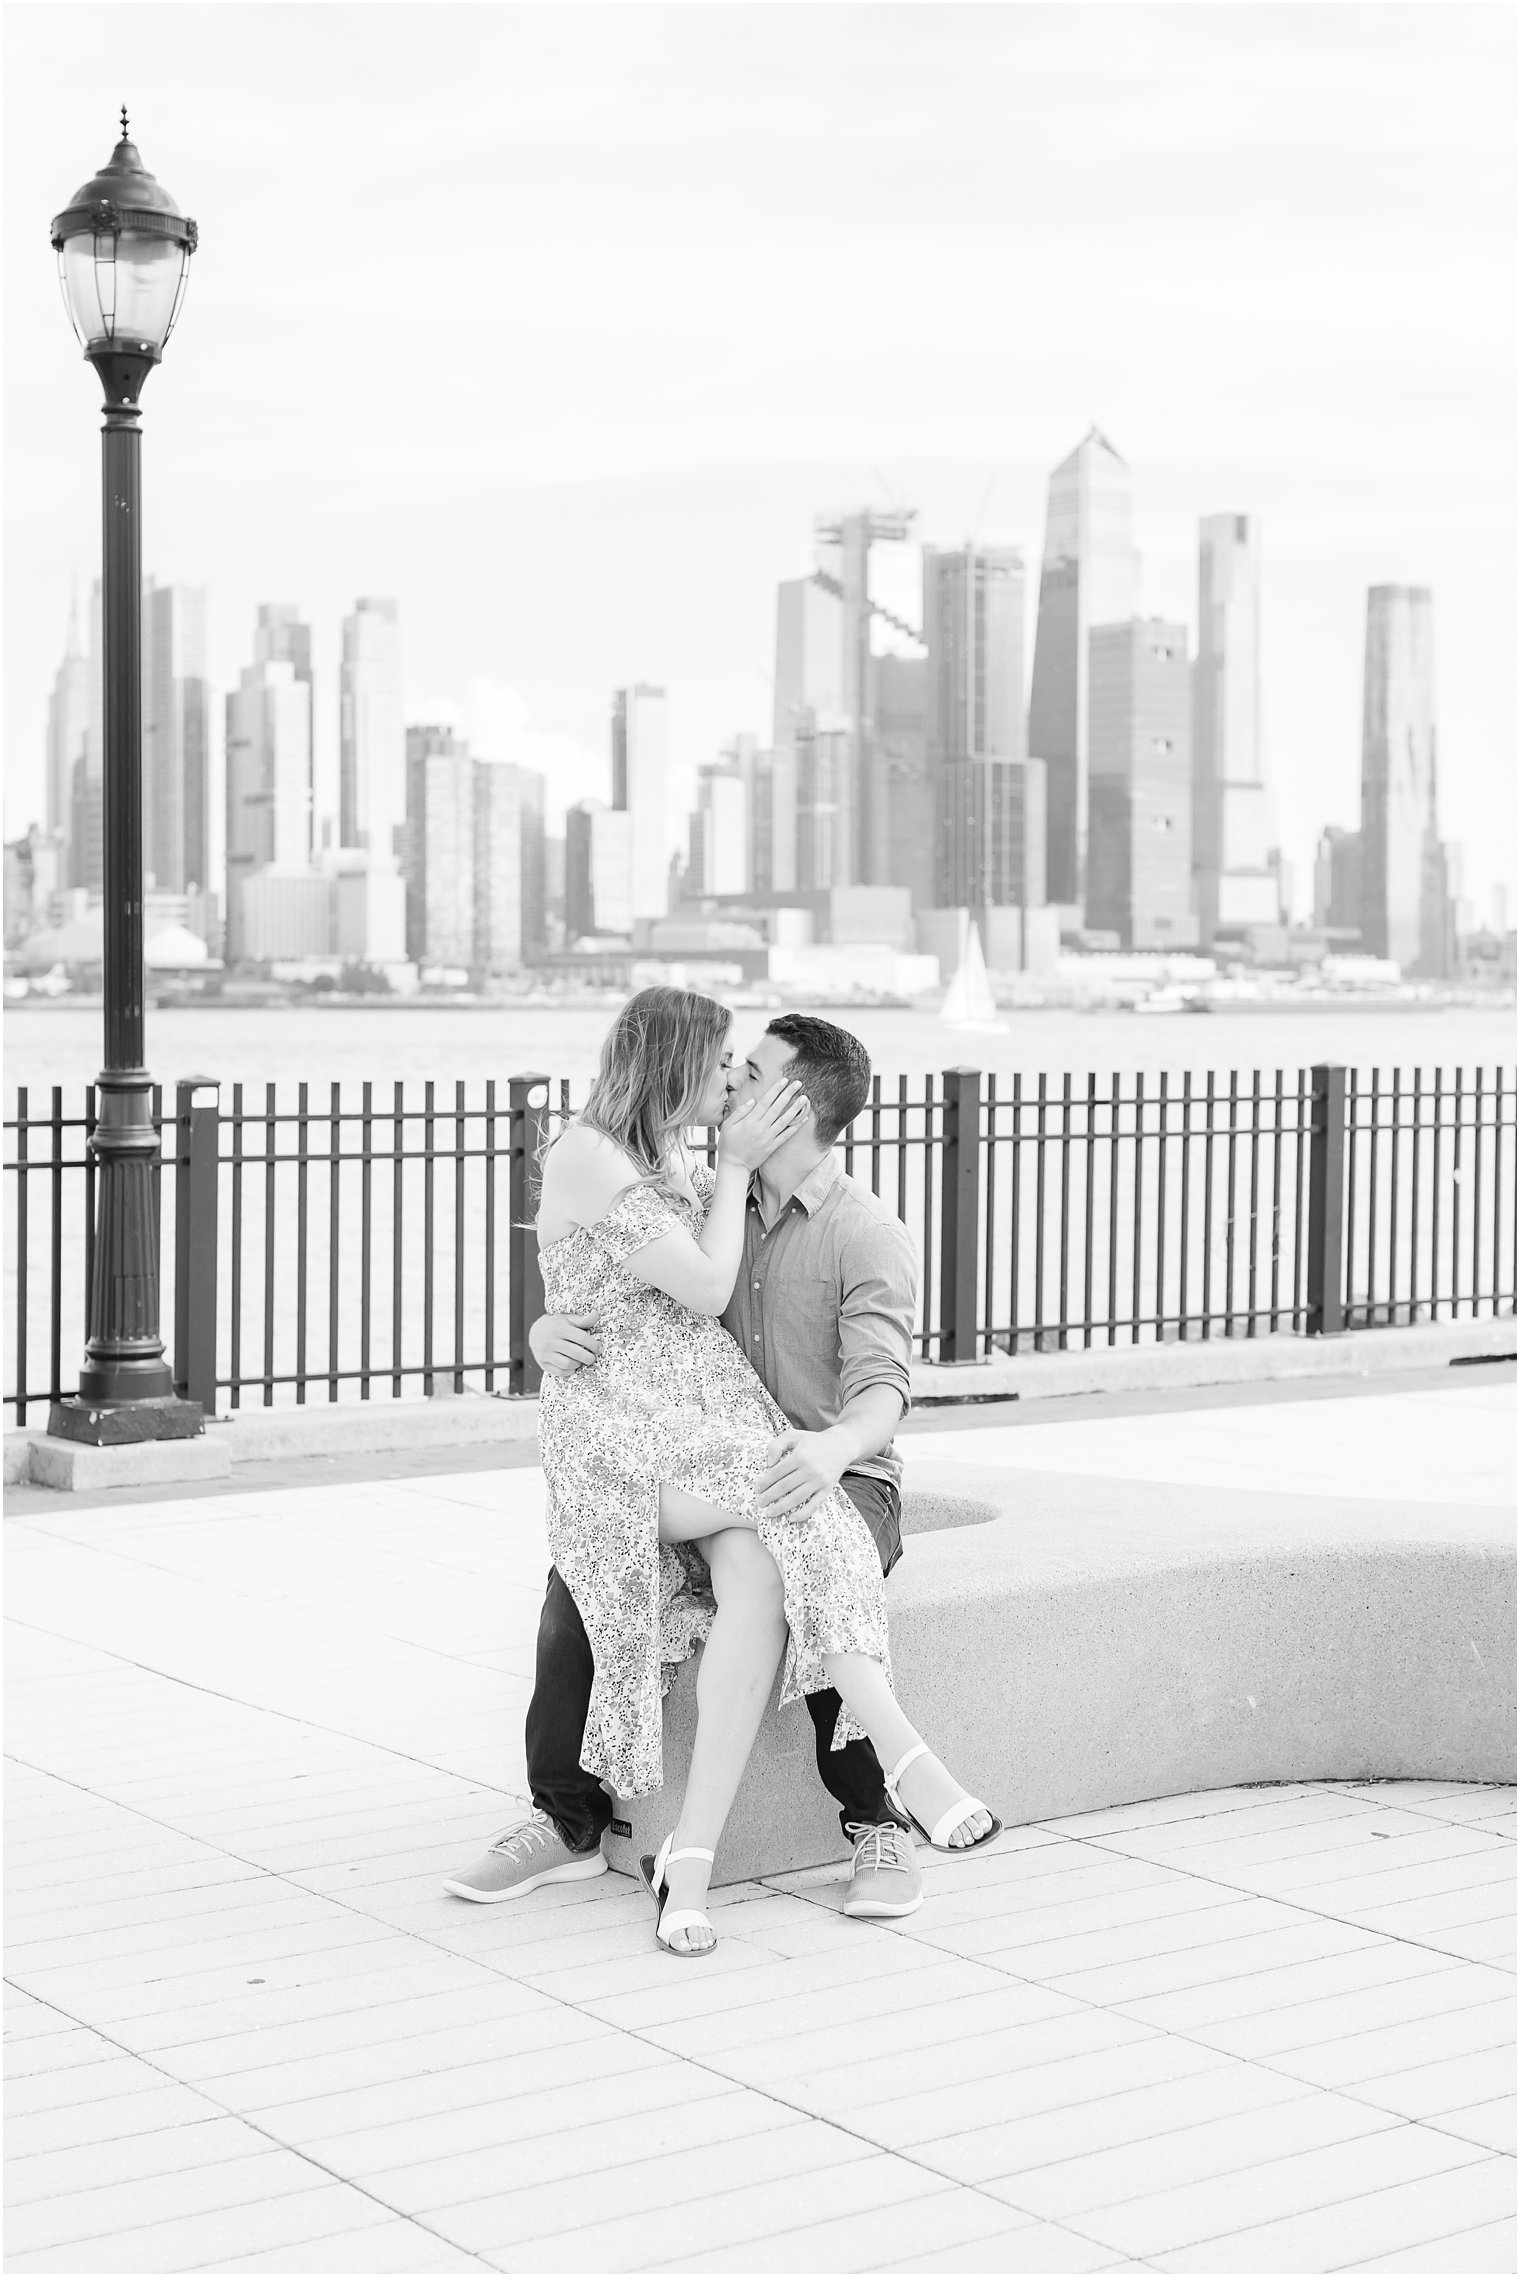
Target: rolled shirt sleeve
[[878, 1299]]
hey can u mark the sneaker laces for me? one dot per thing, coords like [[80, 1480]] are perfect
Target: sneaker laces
[[531, 1831], [877, 1848]]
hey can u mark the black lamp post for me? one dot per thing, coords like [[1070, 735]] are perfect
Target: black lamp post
[[124, 252]]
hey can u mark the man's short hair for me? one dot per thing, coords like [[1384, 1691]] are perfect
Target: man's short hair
[[833, 1067]]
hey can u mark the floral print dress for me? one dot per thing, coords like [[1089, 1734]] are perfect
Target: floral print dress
[[672, 1398]]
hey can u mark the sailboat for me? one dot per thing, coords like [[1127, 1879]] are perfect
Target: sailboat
[[969, 1002]]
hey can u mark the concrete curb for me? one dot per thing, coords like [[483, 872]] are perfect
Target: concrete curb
[[1222, 1360], [371, 1427]]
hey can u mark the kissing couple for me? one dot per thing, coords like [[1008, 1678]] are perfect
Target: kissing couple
[[725, 1356]]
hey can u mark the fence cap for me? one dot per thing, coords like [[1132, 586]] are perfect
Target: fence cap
[[198, 1083]]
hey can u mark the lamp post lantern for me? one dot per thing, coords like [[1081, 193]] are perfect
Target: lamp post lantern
[[124, 252]]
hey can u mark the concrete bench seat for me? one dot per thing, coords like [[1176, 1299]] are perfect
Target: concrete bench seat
[[1067, 1645]]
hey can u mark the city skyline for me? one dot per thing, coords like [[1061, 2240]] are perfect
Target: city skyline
[[609, 489], [928, 751]]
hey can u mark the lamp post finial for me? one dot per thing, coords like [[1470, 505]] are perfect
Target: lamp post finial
[[124, 135]]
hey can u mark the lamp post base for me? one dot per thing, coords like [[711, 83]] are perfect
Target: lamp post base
[[93, 1424]]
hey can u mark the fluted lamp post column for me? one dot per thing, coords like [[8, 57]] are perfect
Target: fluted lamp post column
[[124, 252]]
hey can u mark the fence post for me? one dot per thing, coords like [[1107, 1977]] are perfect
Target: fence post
[[960, 1194], [527, 1127], [195, 1240], [1327, 1187]]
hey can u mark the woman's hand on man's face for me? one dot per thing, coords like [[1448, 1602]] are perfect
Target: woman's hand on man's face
[[754, 1130]]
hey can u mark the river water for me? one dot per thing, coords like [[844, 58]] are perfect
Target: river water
[[62, 1044]]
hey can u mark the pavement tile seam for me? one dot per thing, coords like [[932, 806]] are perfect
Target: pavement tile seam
[[1325, 2195]]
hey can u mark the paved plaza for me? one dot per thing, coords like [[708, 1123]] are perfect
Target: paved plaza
[[1265, 2029]]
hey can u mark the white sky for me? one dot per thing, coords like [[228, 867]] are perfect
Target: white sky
[[560, 322]]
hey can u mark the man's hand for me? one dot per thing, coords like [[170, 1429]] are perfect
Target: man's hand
[[804, 1464], [563, 1342]]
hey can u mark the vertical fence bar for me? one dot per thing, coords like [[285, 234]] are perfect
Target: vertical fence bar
[[55, 1249], [928, 1142], [1277, 1152], [528, 1125], [334, 1205], [490, 1276], [959, 1213], [1115, 1105], [1456, 1196], [1327, 1188], [398, 1207], [196, 1165], [1039, 1215], [1138, 1185], [235, 1355], [1374, 1113], [1065, 1210], [1160, 1289], [23, 1094], [271, 1142], [1477, 1195], [1437, 1102], [367, 1221], [1254, 1197], [1498, 1186], [303, 1116], [989, 1228], [1013, 1211], [1089, 1172], [459, 1162], [1208, 1205], [427, 1239], [1184, 1201]]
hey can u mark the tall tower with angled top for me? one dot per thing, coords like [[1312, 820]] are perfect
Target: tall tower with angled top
[[1090, 576]]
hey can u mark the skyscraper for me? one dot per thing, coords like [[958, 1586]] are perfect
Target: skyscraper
[[1089, 576], [901, 740], [597, 862], [268, 768], [176, 770], [989, 796], [1140, 777], [1401, 870], [1234, 828], [639, 785], [719, 860], [372, 732], [440, 848], [1338, 881], [68, 729], [509, 865]]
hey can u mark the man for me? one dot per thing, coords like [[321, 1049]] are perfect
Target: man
[[823, 1307]]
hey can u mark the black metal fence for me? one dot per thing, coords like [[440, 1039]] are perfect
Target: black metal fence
[[323, 1239]]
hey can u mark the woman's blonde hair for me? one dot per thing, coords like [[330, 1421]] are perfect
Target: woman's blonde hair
[[657, 1060]]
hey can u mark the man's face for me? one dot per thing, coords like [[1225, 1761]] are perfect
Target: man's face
[[765, 1063]]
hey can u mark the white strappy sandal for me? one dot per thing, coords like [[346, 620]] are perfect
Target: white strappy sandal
[[938, 1836], [652, 1875]]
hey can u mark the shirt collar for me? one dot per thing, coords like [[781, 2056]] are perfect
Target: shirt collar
[[813, 1191]]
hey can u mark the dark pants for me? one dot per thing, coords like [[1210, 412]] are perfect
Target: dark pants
[[556, 1727]]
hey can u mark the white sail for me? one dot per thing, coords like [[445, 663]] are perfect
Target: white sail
[[969, 1001]]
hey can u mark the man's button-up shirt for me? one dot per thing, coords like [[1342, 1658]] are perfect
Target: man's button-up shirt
[[825, 1300]]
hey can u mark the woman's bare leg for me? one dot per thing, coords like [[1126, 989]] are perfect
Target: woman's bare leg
[[862, 1685], [734, 1679]]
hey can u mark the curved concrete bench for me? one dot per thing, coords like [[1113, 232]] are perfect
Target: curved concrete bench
[[1067, 1648]]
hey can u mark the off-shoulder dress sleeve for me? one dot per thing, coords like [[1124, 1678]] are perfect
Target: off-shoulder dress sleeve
[[639, 1216]]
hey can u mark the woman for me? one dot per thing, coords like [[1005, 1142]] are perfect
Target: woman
[[654, 1455]]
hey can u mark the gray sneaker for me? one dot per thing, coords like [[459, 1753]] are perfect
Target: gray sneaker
[[885, 1881], [523, 1858]]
